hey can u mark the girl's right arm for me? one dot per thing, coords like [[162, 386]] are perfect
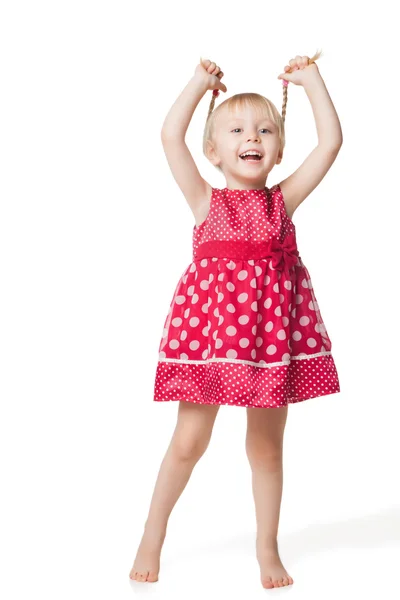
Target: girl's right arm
[[184, 170]]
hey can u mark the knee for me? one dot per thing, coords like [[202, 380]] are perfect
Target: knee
[[189, 448], [264, 454]]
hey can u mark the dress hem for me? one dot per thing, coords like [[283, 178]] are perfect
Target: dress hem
[[248, 405]]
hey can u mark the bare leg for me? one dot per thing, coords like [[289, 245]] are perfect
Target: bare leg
[[264, 444], [189, 442]]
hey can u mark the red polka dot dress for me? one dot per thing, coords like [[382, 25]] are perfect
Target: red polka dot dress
[[244, 327]]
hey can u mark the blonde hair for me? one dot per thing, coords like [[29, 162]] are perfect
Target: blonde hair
[[255, 101]]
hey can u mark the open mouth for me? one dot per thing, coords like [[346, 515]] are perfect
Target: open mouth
[[251, 156]]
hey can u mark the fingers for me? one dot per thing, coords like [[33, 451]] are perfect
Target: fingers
[[299, 62], [211, 67]]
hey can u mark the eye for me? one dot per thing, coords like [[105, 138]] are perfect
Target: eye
[[239, 129]]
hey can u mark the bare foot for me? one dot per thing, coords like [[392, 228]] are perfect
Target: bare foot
[[273, 573], [147, 561]]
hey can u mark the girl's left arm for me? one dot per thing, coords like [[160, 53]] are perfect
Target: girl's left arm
[[311, 172]]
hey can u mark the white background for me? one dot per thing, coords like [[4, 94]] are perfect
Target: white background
[[94, 235]]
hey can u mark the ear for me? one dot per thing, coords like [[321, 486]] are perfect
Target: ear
[[212, 154], [279, 159]]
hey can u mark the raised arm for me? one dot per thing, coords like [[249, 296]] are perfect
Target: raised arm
[[311, 172], [184, 170]]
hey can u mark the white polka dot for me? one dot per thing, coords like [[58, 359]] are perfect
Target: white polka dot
[[296, 335], [180, 299], [183, 335], [311, 342], [204, 262], [194, 321], [204, 284], [231, 265], [268, 303], [231, 353], [230, 286], [176, 322], [243, 297], [269, 326], [183, 356], [230, 308], [281, 335], [173, 344], [194, 344], [259, 341], [218, 343], [244, 342], [243, 319], [304, 321], [242, 275], [271, 349]]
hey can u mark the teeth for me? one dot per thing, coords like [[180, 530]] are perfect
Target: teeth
[[251, 153]]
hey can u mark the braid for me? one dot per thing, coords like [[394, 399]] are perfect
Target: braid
[[212, 103], [284, 105], [285, 87]]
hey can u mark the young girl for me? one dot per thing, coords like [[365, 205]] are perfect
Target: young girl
[[244, 327]]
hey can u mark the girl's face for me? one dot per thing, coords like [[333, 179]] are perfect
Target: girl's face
[[234, 134]]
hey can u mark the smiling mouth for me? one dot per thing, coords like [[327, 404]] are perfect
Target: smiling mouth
[[251, 157]]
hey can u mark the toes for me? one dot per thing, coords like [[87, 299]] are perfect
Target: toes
[[267, 582], [152, 577]]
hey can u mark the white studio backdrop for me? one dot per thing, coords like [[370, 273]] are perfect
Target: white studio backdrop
[[94, 235]]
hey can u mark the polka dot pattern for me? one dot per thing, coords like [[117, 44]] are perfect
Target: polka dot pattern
[[254, 336]]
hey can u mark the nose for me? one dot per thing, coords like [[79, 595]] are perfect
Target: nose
[[256, 138]]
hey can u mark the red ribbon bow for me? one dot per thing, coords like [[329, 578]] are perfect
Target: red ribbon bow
[[285, 254]]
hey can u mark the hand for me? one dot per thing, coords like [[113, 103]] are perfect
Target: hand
[[300, 71], [210, 74]]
